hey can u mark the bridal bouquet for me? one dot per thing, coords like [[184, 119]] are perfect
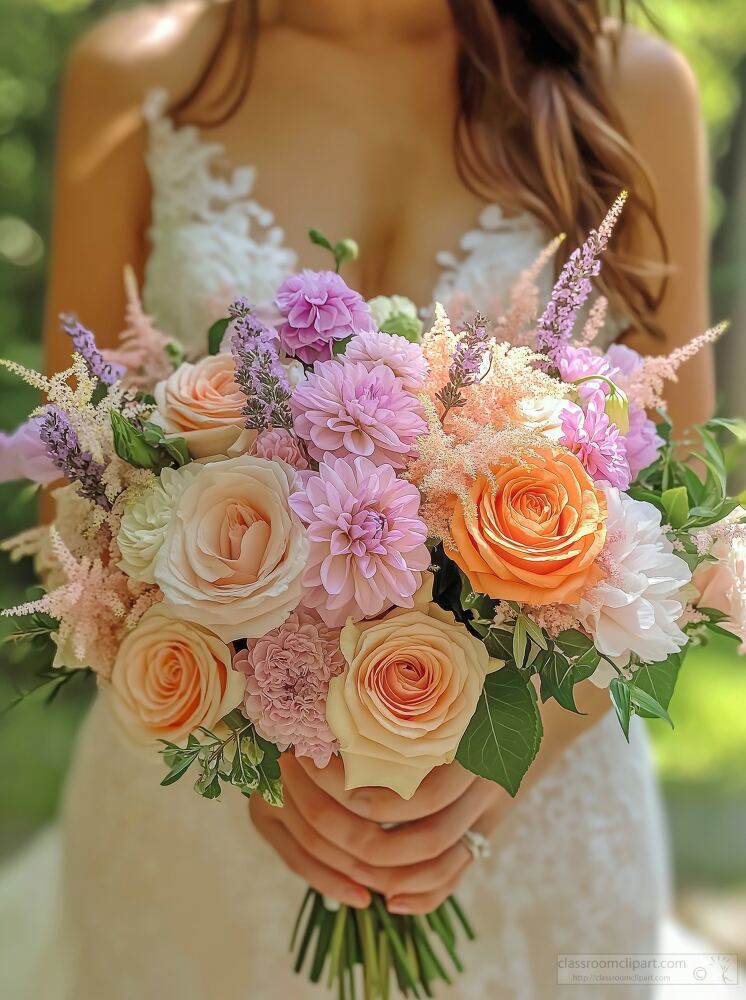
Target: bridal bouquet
[[334, 534]]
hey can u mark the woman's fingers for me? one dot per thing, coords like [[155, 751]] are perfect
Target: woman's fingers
[[405, 899], [318, 875], [441, 787]]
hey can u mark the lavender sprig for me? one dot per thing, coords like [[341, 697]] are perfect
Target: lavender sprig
[[258, 370], [84, 343], [63, 447], [466, 364], [574, 285]]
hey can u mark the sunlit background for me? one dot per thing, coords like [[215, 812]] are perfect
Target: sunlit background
[[702, 762]]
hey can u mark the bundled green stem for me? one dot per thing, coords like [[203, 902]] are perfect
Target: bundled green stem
[[416, 951]]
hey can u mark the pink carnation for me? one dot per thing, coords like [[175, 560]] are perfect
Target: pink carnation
[[596, 441], [344, 409], [368, 547], [287, 680], [403, 358], [279, 443], [318, 308]]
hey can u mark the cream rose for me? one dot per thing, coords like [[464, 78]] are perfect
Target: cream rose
[[233, 552], [171, 676], [202, 403], [411, 685]]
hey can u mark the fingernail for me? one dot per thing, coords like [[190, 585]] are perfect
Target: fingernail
[[359, 900], [398, 906]]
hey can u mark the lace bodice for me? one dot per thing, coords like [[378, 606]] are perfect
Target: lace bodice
[[211, 240]]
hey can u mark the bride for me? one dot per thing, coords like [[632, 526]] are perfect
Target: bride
[[199, 142]]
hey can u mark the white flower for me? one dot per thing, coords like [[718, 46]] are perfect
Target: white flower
[[637, 607], [144, 522], [383, 306], [542, 414]]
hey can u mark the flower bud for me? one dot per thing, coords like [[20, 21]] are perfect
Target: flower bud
[[398, 315], [617, 408]]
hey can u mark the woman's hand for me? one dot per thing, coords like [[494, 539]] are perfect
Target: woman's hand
[[333, 838]]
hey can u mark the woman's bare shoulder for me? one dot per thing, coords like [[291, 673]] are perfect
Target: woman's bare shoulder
[[646, 75], [126, 54]]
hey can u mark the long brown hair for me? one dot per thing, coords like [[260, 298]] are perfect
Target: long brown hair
[[536, 129]]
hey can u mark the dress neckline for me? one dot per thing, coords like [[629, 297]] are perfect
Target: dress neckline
[[237, 181]]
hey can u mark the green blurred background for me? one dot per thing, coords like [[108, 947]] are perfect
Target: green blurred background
[[703, 762]]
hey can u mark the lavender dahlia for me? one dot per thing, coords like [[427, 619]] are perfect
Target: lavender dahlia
[[343, 408], [319, 308], [367, 540], [596, 441]]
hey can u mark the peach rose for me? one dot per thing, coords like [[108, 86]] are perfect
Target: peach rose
[[233, 552], [411, 685], [171, 676], [534, 531], [721, 585], [202, 403]]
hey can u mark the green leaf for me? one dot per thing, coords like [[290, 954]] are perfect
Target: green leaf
[[505, 731], [317, 237], [208, 785], [622, 702], [519, 641], [179, 768], [658, 680], [499, 644], [215, 335], [175, 353], [559, 677], [340, 346], [642, 700], [676, 505], [146, 447], [535, 633], [573, 642]]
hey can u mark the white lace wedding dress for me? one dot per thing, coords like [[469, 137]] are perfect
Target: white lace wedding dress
[[161, 895]]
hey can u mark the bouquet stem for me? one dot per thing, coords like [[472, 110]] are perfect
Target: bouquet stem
[[415, 949]]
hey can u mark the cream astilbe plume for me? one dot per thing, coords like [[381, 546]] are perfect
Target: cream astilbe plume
[[644, 386]]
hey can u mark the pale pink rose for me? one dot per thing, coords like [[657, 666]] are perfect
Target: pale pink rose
[[234, 552], [721, 585], [171, 676], [279, 443], [202, 403], [411, 685]]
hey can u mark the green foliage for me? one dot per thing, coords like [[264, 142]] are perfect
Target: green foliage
[[504, 734], [342, 250], [146, 446], [215, 335], [242, 758]]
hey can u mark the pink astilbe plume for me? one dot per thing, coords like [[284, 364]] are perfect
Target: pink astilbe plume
[[95, 606], [644, 385], [514, 325], [494, 399], [143, 349], [447, 463], [595, 322]]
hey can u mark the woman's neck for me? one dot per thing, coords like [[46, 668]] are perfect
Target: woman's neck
[[394, 20]]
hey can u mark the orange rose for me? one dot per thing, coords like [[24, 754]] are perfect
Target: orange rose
[[534, 531]]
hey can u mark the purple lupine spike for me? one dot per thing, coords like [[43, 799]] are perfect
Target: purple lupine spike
[[63, 447], [467, 363], [574, 285], [259, 371], [84, 344]]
